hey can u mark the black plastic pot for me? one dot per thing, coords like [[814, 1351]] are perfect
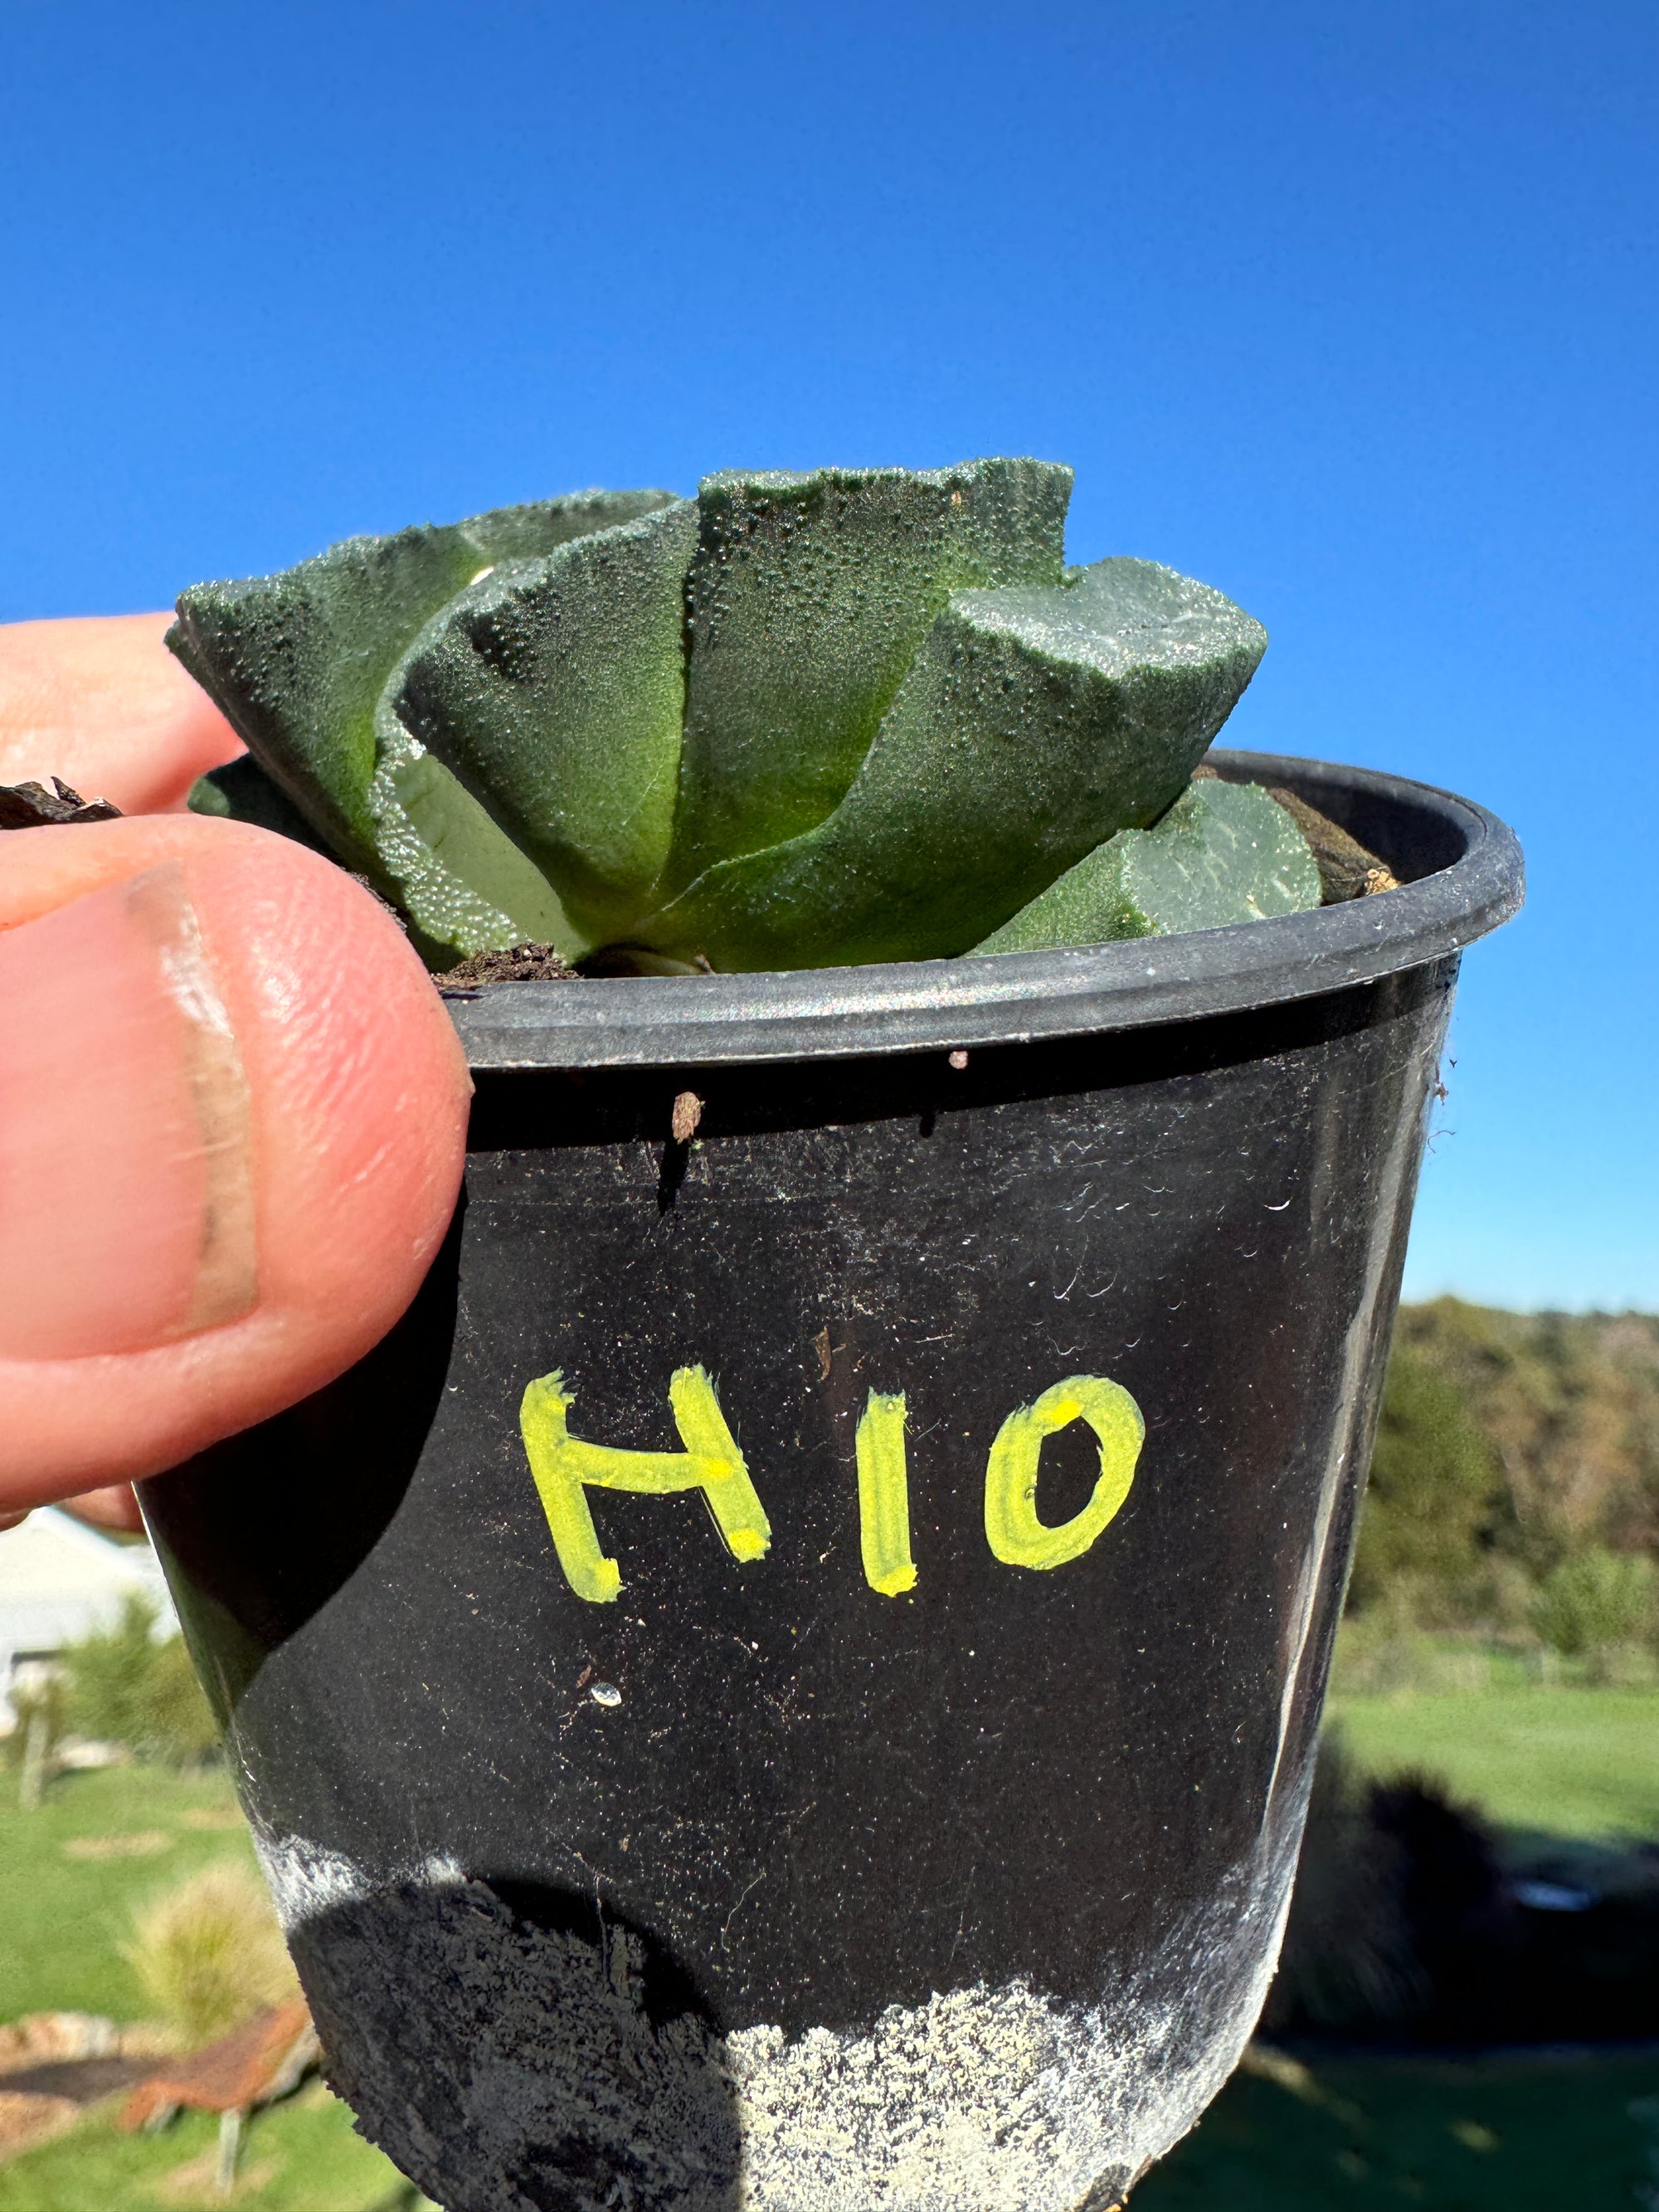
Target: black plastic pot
[[782, 1876]]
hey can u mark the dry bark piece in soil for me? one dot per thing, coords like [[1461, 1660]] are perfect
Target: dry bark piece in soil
[[1346, 869], [513, 963], [31, 806]]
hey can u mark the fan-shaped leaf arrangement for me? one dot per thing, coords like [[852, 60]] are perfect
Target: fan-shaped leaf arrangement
[[799, 722]]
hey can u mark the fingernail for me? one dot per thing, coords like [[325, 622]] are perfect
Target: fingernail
[[126, 1189]]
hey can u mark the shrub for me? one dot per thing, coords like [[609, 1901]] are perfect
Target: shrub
[[1431, 1497], [209, 1955], [1594, 1601], [1571, 1403], [123, 1685], [1347, 1963]]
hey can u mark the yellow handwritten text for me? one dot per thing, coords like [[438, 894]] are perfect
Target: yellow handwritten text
[[884, 1496], [1012, 1530], [564, 1467]]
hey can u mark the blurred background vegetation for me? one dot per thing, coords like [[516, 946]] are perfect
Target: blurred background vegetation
[[127, 1685], [1514, 1493]]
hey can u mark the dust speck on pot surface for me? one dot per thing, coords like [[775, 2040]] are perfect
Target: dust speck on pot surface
[[961, 1471]]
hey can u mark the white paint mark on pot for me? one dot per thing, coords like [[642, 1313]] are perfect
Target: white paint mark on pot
[[306, 1881]]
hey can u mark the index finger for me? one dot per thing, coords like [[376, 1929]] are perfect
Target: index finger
[[99, 701]]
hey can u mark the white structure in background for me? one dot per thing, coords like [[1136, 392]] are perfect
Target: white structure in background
[[59, 1581]]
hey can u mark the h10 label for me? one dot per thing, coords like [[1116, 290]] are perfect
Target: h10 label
[[566, 1468]]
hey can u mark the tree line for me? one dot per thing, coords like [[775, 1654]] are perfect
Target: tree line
[[1514, 1485]]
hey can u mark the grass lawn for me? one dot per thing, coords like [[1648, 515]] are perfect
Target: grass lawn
[[72, 1873], [1528, 2134], [302, 2156], [1569, 1761]]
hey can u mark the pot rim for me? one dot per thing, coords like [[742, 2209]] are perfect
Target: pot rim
[[1470, 881]]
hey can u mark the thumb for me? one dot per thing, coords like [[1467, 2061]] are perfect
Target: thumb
[[231, 1123]]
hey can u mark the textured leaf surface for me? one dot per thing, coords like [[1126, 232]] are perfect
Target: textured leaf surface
[[464, 884], [1034, 724], [433, 843], [296, 661], [809, 597], [555, 690], [1224, 853]]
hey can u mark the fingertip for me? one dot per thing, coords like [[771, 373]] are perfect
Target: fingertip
[[322, 1123], [114, 1508], [100, 700]]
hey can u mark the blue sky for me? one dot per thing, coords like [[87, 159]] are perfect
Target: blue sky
[[1351, 311]]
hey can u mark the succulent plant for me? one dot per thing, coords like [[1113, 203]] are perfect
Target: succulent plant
[[799, 722]]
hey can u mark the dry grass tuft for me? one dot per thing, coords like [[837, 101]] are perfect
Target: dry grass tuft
[[209, 1953]]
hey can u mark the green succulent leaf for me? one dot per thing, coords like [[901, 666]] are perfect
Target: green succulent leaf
[[464, 883], [555, 689], [1033, 724], [804, 720], [1224, 853], [808, 598], [297, 661], [432, 842]]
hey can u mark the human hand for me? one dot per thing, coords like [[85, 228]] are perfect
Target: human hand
[[232, 1109]]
